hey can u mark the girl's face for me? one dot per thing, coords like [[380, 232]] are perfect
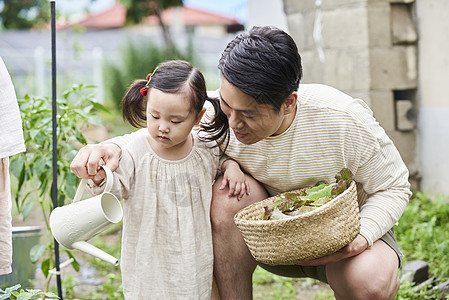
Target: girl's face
[[169, 121], [251, 121]]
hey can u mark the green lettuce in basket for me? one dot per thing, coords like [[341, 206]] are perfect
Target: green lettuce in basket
[[291, 204]]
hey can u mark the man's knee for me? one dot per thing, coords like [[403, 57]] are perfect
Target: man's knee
[[383, 287], [380, 289], [373, 274], [367, 287], [223, 207]]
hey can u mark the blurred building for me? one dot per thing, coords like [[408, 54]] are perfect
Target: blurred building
[[177, 19], [82, 46], [394, 54]]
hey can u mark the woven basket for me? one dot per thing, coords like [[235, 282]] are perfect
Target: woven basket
[[314, 234]]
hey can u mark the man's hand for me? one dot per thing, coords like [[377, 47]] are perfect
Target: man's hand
[[87, 162], [357, 246]]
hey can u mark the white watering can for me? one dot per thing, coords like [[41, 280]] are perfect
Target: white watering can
[[74, 224]]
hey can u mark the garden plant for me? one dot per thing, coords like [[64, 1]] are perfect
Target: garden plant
[[32, 169]]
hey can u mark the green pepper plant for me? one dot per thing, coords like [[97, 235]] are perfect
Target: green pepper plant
[[76, 109]]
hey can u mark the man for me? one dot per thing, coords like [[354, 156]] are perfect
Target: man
[[11, 143], [288, 136]]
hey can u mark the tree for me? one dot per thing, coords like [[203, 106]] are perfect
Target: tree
[[138, 9], [24, 14]]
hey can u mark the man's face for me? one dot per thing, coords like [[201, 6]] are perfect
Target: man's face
[[249, 120]]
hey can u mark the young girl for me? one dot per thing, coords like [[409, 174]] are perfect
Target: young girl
[[165, 177]]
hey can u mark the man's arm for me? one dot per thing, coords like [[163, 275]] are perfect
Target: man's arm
[[383, 175]]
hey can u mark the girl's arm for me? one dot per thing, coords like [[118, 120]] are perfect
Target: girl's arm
[[235, 178], [86, 163]]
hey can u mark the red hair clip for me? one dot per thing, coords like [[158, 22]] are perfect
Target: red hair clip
[[144, 90]]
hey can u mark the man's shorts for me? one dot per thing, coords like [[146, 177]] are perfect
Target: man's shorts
[[319, 272]]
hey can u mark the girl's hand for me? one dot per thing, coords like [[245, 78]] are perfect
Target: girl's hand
[[235, 178], [87, 162]]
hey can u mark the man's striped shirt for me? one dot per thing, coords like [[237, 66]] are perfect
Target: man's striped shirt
[[332, 131]]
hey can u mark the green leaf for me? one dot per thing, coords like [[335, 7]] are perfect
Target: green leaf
[[21, 180], [321, 191], [70, 190], [81, 113], [33, 133], [88, 108], [99, 106], [50, 295], [344, 174], [43, 166], [25, 295], [66, 93], [5, 296], [339, 188], [61, 199], [36, 252], [27, 208], [95, 120], [321, 201], [13, 288], [16, 165], [45, 267], [75, 264]]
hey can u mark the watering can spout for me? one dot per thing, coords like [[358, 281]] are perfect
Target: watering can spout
[[92, 250]]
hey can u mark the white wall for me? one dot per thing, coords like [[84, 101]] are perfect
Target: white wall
[[266, 12], [433, 93]]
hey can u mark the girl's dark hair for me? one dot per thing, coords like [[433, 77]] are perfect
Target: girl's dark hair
[[264, 64], [175, 76]]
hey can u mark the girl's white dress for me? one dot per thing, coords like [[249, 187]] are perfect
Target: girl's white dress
[[167, 240]]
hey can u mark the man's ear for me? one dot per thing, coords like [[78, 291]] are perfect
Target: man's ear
[[290, 103], [200, 116]]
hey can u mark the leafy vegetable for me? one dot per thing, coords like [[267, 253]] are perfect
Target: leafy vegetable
[[291, 204]]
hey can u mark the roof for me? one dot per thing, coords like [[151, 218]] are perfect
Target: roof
[[191, 16], [115, 17]]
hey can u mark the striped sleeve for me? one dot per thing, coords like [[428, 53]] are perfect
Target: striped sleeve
[[385, 181]]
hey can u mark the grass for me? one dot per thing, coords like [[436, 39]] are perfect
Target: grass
[[422, 234]]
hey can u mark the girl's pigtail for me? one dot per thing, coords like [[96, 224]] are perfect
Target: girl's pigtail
[[218, 128], [134, 105]]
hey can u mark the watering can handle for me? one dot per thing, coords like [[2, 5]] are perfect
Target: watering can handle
[[109, 180]]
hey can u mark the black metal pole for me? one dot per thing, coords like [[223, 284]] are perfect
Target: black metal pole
[[55, 137]]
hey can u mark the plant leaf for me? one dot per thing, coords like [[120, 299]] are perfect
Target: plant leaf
[[49, 294], [99, 106], [25, 295], [27, 208], [95, 120], [13, 288], [45, 267], [321, 191], [75, 264], [5, 296], [16, 165], [36, 252]]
